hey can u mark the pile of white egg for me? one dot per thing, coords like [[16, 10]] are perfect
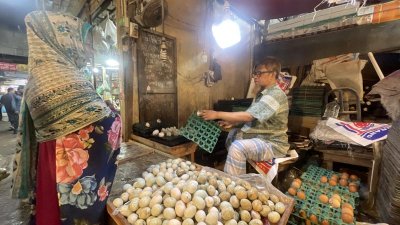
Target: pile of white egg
[[169, 131], [175, 193]]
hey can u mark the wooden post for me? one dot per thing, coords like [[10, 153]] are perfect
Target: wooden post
[[123, 69], [135, 87]]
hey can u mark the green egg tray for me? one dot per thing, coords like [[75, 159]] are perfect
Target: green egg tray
[[312, 188], [313, 175], [321, 211], [204, 133]]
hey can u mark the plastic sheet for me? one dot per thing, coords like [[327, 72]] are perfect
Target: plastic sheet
[[362, 223], [324, 133], [259, 182]]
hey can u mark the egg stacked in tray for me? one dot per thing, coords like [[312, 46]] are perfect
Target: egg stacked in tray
[[324, 197]]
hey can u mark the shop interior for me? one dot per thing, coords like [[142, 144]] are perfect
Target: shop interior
[[159, 63]]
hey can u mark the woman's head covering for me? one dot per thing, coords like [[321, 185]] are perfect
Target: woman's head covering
[[59, 98]]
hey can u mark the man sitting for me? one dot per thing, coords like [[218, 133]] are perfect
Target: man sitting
[[262, 134]]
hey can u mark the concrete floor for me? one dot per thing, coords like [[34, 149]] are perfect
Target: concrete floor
[[12, 211]]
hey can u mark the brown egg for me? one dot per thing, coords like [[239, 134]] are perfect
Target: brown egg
[[353, 188], [353, 177], [301, 195], [347, 211], [334, 203], [353, 184], [347, 218], [314, 219], [337, 197], [344, 176], [325, 222], [298, 180], [334, 177], [324, 179], [302, 214], [323, 198], [343, 182], [347, 205], [296, 184], [292, 191], [332, 182]]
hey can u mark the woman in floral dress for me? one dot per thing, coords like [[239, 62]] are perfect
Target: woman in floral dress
[[69, 138]]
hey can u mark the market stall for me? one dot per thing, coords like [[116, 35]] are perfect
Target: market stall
[[337, 134]]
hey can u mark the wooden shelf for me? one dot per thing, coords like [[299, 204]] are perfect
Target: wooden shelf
[[362, 39]]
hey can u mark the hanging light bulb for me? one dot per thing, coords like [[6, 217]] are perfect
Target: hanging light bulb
[[163, 45], [163, 50], [227, 32]]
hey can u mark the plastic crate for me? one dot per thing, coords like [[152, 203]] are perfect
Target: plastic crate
[[204, 133], [313, 188]]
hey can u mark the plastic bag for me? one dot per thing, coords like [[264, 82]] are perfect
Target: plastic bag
[[332, 110], [99, 40], [110, 32]]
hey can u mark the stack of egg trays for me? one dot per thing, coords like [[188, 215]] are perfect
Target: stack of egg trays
[[312, 205], [204, 133], [293, 220], [313, 175]]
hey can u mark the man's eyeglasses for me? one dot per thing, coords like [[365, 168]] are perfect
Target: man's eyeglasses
[[259, 73]]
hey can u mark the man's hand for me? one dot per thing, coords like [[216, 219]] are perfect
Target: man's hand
[[225, 124], [209, 114]]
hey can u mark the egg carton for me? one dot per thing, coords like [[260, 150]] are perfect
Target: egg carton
[[312, 178], [321, 211], [314, 173], [204, 133]]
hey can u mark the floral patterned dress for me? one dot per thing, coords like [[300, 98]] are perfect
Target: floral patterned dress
[[82, 167]]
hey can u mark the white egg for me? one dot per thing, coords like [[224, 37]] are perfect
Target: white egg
[[124, 210], [186, 197], [174, 222], [155, 132], [188, 221], [168, 187], [200, 216], [134, 204], [280, 207], [140, 183], [125, 196], [176, 193], [118, 202], [132, 218], [169, 213], [185, 177], [160, 181], [126, 187], [180, 208]]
